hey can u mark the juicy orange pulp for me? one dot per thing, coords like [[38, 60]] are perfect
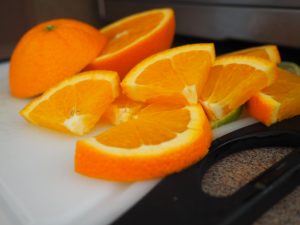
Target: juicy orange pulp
[[269, 52], [134, 38], [131, 31], [279, 101], [178, 73], [159, 140], [232, 81], [121, 110], [76, 104]]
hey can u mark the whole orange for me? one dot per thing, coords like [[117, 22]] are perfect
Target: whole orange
[[51, 52]]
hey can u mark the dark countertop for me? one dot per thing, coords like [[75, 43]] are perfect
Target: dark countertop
[[234, 171]]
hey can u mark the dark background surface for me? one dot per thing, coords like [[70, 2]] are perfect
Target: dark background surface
[[17, 16]]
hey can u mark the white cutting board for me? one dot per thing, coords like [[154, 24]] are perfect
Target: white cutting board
[[38, 185]]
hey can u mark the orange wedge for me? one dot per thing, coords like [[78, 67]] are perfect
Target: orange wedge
[[159, 140], [134, 38], [75, 104], [232, 81], [269, 52], [121, 110], [277, 102], [178, 74]]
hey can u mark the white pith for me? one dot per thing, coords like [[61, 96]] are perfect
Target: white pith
[[76, 124], [190, 93]]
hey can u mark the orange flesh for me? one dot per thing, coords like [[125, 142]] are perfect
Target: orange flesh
[[124, 101], [286, 91], [129, 31], [147, 153], [232, 85], [134, 38], [259, 53], [286, 85], [121, 110], [150, 128], [284, 100], [262, 110], [60, 106], [269, 52], [175, 73]]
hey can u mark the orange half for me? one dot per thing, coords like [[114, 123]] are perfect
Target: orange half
[[51, 52], [134, 38]]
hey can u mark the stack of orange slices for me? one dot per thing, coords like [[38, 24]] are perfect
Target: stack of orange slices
[[163, 102]]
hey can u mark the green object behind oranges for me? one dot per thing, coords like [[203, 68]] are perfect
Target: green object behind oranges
[[234, 115], [290, 66]]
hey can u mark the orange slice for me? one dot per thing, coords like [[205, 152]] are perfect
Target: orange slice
[[269, 52], [178, 73], [159, 140], [134, 38], [232, 81], [75, 104], [277, 102], [121, 110]]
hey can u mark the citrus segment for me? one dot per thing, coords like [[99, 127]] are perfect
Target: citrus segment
[[232, 81], [51, 52], [179, 73], [159, 140], [277, 102], [269, 52], [259, 64], [121, 110], [75, 104], [134, 38]]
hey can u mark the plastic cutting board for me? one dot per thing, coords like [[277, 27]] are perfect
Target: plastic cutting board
[[38, 185]]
